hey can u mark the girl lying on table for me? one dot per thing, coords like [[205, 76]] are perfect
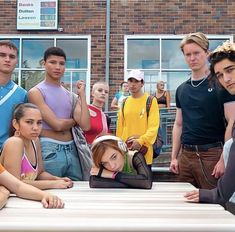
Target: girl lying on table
[[116, 167]]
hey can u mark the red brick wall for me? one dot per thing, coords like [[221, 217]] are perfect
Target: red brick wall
[[129, 17]]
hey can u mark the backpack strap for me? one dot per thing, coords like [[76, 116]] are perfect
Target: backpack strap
[[149, 103], [123, 104]]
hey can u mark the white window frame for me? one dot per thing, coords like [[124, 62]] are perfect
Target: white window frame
[[54, 37], [160, 38]]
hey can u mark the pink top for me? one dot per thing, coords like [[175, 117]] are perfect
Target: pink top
[[29, 171]]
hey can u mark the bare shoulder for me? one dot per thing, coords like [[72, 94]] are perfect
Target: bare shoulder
[[34, 91], [13, 142]]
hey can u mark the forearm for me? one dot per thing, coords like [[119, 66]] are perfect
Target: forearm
[[62, 124], [41, 184], [143, 176], [46, 176], [4, 194], [176, 141], [27, 191], [82, 114]]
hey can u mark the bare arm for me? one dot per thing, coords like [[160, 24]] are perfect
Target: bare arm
[[4, 194], [29, 192], [48, 115], [114, 104], [168, 99], [81, 112], [45, 180], [176, 141]]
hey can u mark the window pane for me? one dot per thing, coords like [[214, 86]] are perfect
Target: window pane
[[150, 79], [214, 43], [70, 78], [15, 77], [173, 80], [32, 52], [31, 78], [76, 52], [172, 57], [143, 54]]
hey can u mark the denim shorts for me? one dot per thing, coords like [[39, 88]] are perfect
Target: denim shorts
[[61, 158]]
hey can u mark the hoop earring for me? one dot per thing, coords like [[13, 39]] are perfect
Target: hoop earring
[[17, 133]]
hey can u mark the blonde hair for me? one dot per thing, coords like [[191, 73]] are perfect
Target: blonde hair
[[99, 83], [198, 38]]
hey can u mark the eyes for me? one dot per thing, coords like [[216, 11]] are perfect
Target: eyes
[[112, 158], [226, 71], [4, 55], [100, 90], [31, 122], [54, 62]]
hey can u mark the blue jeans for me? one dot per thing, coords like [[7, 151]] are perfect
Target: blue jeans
[[61, 158]]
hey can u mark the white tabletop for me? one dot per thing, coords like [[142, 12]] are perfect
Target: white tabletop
[[163, 208]]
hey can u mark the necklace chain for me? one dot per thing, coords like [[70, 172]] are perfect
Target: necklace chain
[[195, 86]]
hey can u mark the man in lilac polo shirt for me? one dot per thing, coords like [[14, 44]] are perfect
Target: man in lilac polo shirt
[[10, 93]]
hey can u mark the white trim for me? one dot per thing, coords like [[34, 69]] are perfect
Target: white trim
[[8, 94]]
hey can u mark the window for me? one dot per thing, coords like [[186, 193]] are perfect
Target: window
[[30, 71], [160, 58]]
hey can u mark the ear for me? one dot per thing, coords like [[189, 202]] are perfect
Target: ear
[[15, 124], [208, 53]]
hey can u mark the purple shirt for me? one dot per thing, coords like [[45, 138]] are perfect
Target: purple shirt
[[58, 100]]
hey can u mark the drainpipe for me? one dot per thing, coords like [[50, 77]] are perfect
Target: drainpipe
[[107, 46]]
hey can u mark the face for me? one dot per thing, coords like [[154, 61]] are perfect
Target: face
[[195, 56], [125, 87], [134, 85], [8, 59], [55, 67], [225, 73], [161, 85], [112, 160], [100, 92], [30, 125]]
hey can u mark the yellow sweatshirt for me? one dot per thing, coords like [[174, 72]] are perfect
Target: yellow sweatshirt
[[134, 121]]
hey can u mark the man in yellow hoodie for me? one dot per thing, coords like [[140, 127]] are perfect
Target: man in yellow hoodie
[[135, 126]]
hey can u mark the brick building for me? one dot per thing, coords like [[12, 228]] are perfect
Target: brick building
[[105, 39]]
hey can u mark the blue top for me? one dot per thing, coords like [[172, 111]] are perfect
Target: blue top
[[7, 107]]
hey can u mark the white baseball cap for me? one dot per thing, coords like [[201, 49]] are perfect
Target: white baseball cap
[[136, 74]]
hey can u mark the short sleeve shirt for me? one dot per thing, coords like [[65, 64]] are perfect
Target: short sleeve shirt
[[202, 111]]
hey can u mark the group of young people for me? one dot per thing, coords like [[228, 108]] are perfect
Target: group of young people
[[34, 162]]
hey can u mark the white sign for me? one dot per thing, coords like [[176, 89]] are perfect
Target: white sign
[[37, 14]]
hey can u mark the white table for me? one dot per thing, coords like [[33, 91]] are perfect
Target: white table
[[163, 208]]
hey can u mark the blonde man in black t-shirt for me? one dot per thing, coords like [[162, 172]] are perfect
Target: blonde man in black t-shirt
[[199, 129]]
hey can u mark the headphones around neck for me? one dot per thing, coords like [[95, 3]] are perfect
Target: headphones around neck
[[122, 145]]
